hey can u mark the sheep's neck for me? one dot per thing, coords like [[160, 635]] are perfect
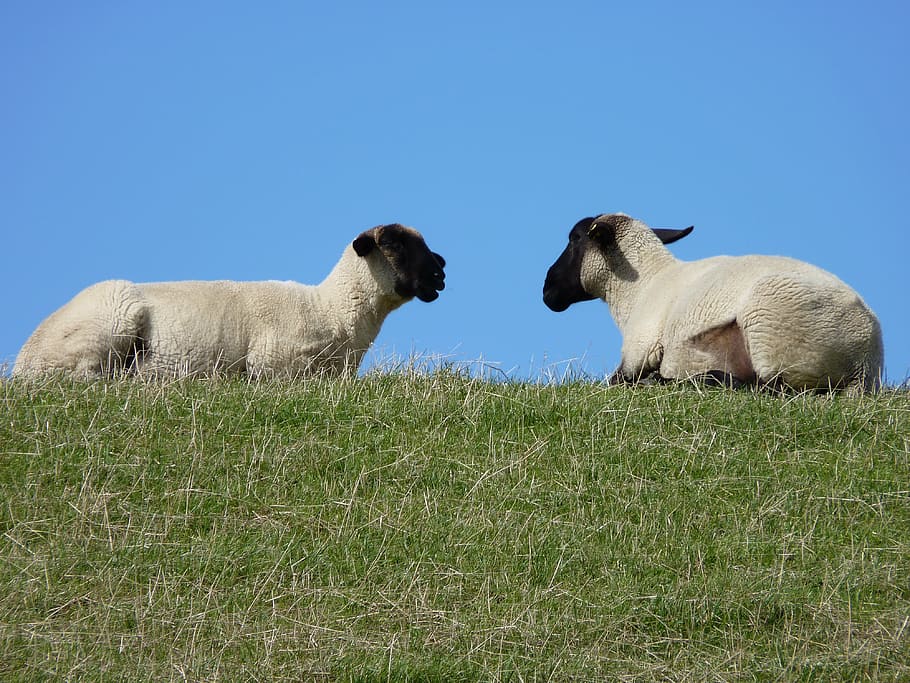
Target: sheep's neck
[[630, 275], [358, 302]]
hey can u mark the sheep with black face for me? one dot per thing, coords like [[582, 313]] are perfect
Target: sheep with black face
[[256, 328], [742, 320]]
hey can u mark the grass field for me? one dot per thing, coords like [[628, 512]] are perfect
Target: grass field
[[431, 526]]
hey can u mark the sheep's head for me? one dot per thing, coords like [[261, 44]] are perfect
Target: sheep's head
[[414, 269], [593, 258]]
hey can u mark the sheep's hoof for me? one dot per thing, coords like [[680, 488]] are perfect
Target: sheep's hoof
[[649, 379], [721, 379]]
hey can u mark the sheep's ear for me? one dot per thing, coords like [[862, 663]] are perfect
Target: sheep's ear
[[602, 233], [364, 244], [668, 236]]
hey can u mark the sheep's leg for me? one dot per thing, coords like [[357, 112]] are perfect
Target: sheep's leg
[[640, 363]]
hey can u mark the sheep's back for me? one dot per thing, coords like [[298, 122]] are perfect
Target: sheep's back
[[196, 325]]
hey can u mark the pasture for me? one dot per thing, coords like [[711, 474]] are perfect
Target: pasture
[[429, 526]]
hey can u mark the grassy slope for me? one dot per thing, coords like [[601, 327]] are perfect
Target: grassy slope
[[425, 527]]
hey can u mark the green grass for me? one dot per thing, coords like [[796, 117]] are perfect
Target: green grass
[[424, 527]]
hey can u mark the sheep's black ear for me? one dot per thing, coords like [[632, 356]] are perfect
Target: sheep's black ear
[[602, 233], [668, 236], [364, 244]]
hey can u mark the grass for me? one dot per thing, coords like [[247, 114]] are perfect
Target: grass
[[424, 527]]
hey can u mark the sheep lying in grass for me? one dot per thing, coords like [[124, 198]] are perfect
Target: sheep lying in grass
[[258, 328], [739, 320]]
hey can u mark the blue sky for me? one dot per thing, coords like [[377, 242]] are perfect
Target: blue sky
[[210, 140]]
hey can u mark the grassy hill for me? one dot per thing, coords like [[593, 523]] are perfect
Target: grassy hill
[[422, 527]]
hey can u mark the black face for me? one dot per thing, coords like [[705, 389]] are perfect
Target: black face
[[562, 288], [418, 271]]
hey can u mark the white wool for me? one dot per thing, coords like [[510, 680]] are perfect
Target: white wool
[[196, 327], [800, 324]]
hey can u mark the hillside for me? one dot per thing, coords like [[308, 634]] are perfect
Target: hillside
[[420, 527]]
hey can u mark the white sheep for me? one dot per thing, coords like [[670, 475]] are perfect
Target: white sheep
[[740, 320], [258, 328]]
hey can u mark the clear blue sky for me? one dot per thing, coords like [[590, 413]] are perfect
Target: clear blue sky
[[209, 140]]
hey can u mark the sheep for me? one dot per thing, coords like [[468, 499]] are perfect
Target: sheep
[[169, 329], [746, 320]]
